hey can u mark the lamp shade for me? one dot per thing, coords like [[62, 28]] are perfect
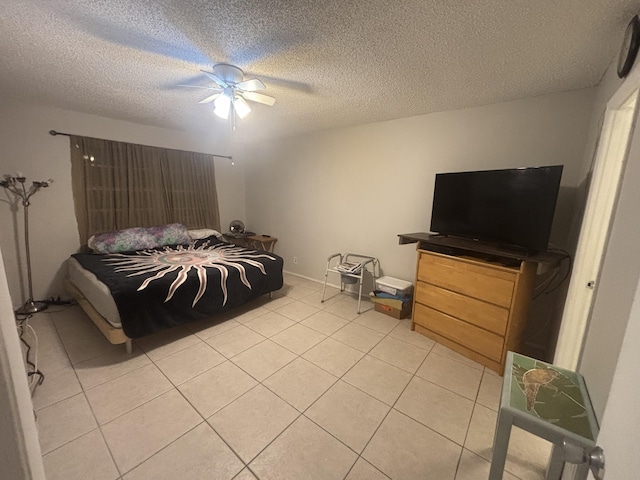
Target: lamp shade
[[223, 105], [241, 107]]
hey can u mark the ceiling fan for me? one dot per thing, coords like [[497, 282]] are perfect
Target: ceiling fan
[[231, 91]]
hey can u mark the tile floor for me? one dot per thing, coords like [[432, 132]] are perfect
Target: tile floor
[[287, 388]]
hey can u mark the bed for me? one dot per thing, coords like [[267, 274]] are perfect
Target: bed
[[130, 293]]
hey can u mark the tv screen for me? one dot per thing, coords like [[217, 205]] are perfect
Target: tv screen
[[512, 207]]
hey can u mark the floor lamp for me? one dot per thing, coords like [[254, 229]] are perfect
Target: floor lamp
[[16, 185]]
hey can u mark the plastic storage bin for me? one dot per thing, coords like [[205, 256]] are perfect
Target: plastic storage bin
[[394, 286]]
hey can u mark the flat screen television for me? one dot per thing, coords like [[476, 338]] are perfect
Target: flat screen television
[[513, 208]]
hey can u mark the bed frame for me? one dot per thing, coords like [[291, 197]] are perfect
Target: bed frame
[[111, 333], [114, 335]]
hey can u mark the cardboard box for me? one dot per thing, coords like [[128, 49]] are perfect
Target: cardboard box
[[395, 307], [394, 312]]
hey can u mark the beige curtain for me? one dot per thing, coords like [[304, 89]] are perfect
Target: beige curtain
[[119, 185]]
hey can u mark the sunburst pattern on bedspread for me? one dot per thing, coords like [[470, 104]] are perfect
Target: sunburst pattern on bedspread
[[183, 259]]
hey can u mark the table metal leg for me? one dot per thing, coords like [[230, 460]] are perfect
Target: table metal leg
[[556, 463], [500, 445]]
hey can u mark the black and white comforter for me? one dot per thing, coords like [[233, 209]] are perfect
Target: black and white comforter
[[164, 287]]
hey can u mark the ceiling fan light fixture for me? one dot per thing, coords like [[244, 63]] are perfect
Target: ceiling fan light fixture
[[241, 107], [222, 106]]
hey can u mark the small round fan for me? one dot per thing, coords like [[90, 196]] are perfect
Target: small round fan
[[236, 227]]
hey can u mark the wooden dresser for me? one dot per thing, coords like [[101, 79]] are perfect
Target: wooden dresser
[[475, 307]]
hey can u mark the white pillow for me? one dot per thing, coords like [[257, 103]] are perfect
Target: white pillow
[[204, 233]]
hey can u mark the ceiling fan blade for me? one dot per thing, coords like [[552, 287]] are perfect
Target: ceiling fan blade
[[251, 85], [211, 98], [216, 79], [258, 97], [202, 87]]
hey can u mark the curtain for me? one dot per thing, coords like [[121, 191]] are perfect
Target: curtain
[[119, 185]]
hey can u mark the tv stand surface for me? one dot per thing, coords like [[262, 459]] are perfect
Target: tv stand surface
[[464, 246]]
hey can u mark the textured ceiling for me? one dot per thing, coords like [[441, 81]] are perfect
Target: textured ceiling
[[328, 63]]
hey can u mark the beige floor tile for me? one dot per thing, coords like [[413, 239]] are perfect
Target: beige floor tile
[[245, 475], [490, 391], [380, 322], [379, 379], [53, 355], [358, 336], [527, 456], [135, 436], [92, 345], [348, 414], [73, 324], [299, 291], [473, 467], [84, 457], [166, 342], [403, 332], [208, 328], [439, 409], [198, 454], [64, 421], [58, 385], [404, 449], [120, 395], [99, 370], [300, 383], [297, 311], [278, 300], [302, 452], [234, 341], [298, 338], [451, 374], [481, 429], [252, 421], [190, 362], [447, 352], [345, 308], [263, 360], [331, 296], [363, 470], [270, 323], [400, 354], [217, 387], [324, 322], [43, 323], [243, 315], [333, 356]]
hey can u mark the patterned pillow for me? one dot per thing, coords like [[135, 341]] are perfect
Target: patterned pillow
[[139, 238]]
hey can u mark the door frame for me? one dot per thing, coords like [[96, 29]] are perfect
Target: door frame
[[610, 161]]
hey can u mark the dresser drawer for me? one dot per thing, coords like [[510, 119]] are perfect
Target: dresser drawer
[[481, 341], [484, 283], [482, 314]]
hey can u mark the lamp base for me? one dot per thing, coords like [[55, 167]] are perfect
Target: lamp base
[[31, 307]]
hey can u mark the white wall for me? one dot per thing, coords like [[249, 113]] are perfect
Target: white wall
[[620, 435], [20, 454], [356, 189], [26, 146]]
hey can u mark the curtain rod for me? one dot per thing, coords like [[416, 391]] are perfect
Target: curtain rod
[[54, 133]]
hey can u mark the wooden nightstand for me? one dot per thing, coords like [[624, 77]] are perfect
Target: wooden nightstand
[[257, 242]]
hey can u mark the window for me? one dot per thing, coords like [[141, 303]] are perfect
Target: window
[[119, 185]]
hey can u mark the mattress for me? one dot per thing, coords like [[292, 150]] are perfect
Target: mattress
[[95, 292]]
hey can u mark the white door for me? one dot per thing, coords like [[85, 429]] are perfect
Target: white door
[[603, 193]]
